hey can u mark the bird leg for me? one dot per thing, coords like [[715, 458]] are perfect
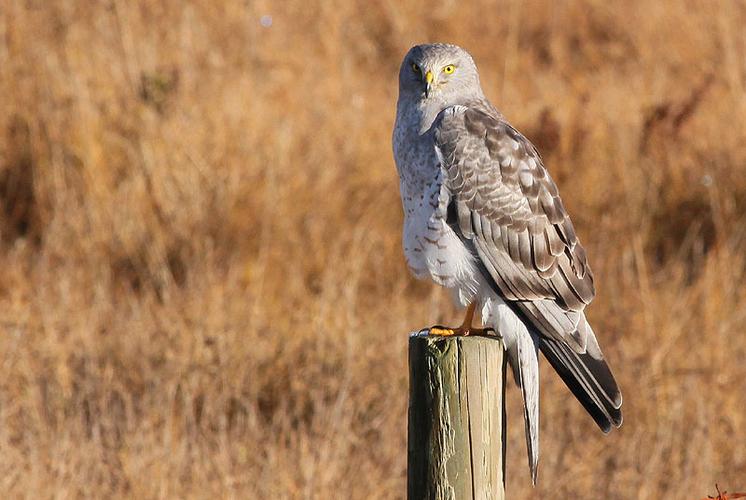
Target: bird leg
[[465, 328]]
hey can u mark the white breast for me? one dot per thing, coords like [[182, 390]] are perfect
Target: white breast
[[431, 247]]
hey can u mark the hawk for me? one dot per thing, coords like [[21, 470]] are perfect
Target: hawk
[[483, 218]]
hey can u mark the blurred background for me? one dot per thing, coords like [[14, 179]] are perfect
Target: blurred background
[[203, 292]]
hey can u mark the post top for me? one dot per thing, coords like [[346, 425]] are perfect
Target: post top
[[425, 332], [422, 333]]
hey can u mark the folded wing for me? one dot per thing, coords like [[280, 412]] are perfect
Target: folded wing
[[507, 208]]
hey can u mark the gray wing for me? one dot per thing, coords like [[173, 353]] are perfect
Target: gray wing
[[507, 204], [504, 203]]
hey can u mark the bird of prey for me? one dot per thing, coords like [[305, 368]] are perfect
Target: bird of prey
[[483, 218]]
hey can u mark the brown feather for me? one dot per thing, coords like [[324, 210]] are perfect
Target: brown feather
[[509, 207]]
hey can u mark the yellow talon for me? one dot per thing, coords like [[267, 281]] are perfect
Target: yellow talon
[[443, 331], [465, 328]]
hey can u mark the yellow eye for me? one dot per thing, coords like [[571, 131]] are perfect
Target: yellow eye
[[415, 68], [449, 69]]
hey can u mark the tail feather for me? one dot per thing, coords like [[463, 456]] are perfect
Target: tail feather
[[523, 359]]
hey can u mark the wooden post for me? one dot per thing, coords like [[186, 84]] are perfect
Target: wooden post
[[456, 437]]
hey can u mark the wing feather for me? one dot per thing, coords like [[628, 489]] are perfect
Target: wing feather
[[507, 203], [506, 208]]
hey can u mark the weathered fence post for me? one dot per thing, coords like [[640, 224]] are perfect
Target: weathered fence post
[[456, 437]]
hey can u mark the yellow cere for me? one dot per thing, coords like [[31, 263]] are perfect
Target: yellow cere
[[449, 69]]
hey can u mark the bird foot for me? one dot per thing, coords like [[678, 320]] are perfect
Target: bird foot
[[461, 331]]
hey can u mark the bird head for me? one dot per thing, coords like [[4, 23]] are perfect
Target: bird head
[[438, 72]]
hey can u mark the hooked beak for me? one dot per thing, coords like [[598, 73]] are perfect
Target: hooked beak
[[429, 81]]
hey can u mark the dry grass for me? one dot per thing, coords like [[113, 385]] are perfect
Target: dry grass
[[203, 292]]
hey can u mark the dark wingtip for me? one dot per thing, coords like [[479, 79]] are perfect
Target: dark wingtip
[[602, 421], [614, 423], [602, 405]]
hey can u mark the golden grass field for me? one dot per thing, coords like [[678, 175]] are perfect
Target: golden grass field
[[202, 288]]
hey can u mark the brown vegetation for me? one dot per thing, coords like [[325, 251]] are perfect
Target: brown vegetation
[[202, 287]]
